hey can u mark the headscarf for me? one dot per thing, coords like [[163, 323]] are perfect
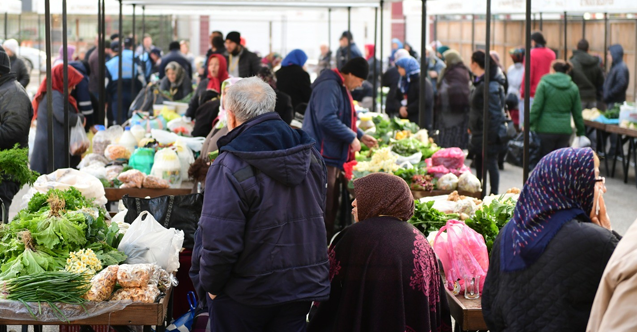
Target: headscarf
[[57, 84], [560, 188], [223, 119], [214, 83], [181, 75], [452, 58], [295, 57], [442, 50], [70, 50], [11, 44], [412, 67], [517, 55], [394, 50], [401, 53], [382, 194], [371, 51], [272, 60], [266, 75], [496, 57]]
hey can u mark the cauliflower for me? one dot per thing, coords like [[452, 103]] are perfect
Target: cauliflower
[[382, 161]]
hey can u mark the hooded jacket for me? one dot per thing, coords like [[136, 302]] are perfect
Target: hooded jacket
[[262, 229], [328, 119], [497, 128], [618, 77], [20, 70], [556, 99], [587, 74]]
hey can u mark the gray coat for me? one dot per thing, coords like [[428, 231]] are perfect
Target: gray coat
[[39, 158], [20, 70]]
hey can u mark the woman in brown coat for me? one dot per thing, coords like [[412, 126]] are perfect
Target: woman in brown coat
[[452, 102]]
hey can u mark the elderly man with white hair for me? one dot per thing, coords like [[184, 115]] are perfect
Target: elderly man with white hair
[[18, 68], [261, 249]]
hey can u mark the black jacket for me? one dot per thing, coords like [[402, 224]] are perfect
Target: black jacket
[[196, 101], [284, 107], [294, 81], [587, 75], [618, 77], [177, 57], [249, 63], [497, 129], [390, 79], [413, 99], [556, 292], [20, 70]]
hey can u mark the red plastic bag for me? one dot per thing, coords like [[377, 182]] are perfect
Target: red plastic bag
[[452, 158], [463, 253], [437, 171]]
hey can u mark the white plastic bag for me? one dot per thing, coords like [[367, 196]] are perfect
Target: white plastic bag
[[65, 178], [448, 182], [181, 125], [96, 169], [168, 167], [186, 157], [78, 141], [146, 241], [32, 131], [164, 137], [581, 142]]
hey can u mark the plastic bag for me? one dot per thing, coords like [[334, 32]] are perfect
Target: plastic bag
[[112, 172], [438, 171], [451, 158], [458, 172], [32, 132], [463, 253], [142, 160], [96, 169], [103, 284], [132, 178], [135, 275], [469, 183], [115, 152], [153, 182], [146, 241], [448, 182], [181, 126], [78, 141], [92, 158], [184, 323], [100, 141], [146, 294], [115, 133], [581, 142], [167, 166], [164, 137], [65, 178], [515, 150], [186, 157]]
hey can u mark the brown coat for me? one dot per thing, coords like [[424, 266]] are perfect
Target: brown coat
[[614, 308]]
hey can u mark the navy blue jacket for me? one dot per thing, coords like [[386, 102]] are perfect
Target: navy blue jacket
[[618, 77], [262, 230], [176, 56], [116, 116], [328, 119], [82, 94]]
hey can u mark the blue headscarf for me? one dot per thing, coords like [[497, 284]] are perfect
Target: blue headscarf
[[412, 68], [295, 57], [393, 51], [561, 188]]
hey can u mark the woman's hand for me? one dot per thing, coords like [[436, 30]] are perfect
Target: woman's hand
[[212, 297], [599, 215], [403, 112]]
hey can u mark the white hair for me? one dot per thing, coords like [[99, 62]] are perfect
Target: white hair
[[249, 98]]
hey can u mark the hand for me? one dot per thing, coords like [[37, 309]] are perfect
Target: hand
[[433, 74], [369, 141], [355, 146], [403, 112], [84, 124], [212, 297], [94, 130], [600, 217]]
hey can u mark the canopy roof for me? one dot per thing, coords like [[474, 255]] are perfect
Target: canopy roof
[[478, 7], [261, 3]]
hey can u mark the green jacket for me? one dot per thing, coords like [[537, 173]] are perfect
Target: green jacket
[[556, 99]]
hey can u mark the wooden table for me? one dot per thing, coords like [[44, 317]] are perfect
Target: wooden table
[[418, 194], [146, 314], [466, 313]]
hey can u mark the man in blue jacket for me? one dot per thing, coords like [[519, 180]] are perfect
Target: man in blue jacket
[[263, 255], [115, 115], [330, 119], [617, 79]]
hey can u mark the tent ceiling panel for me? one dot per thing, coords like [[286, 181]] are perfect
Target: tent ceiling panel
[[261, 3], [11, 7]]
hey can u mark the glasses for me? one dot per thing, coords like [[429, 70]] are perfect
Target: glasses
[[601, 179]]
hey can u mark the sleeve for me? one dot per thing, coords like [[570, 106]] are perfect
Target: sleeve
[[621, 83], [538, 106], [255, 64], [194, 267], [306, 88], [58, 112], [84, 98], [222, 225], [413, 97], [162, 69], [164, 85], [326, 114], [14, 120], [599, 83], [23, 75], [577, 112], [194, 101]]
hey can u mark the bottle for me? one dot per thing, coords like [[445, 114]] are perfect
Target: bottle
[[101, 140], [139, 132], [366, 123], [128, 140]]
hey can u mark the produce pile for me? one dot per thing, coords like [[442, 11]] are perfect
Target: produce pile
[[14, 165]]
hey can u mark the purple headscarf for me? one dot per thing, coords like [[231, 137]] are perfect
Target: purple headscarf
[[561, 188], [70, 51]]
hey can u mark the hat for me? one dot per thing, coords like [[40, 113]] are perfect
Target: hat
[[347, 34], [357, 67], [156, 51], [12, 45], [115, 45], [234, 36], [5, 63], [538, 38], [115, 36]]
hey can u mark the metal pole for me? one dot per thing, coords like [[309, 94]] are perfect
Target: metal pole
[[19, 29], [119, 64], [565, 37], [583, 28], [605, 41], [349, 35], [102, 86], [425, 118], [635, 85], [534, 21], [380, 53], [329, 28], [143, 23], [6, 25], [39, 47], [49, 88], [485, 105], [541, 21], [527, 89], [270, 37], [493, 25], [435, 28], [132, 60], [375, 82], [473, 32], [65, 62]]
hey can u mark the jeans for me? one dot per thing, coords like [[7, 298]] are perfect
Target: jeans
[[492, 169], [552, 142], [227, 315]]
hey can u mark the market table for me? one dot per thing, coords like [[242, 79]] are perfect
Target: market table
[[467, 313], [599, 129], [146, 314], [624, 135], [115, 194]]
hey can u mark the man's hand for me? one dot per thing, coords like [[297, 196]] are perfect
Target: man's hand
[[403, 112], [212, 297], [84, 124], [355, 146], [433, 74], [369, 141]]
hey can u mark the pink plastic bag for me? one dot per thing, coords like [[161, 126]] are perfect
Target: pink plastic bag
[[437, 171], [429, 163], [463, 253], [452, 158], [458, 172]]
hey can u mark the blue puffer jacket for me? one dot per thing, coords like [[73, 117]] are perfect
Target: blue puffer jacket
[[262, 230], [618, 77], [328, 119]]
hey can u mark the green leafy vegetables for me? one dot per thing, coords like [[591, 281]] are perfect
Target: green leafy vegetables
[[427, 219], [14, 165], [489, 220]]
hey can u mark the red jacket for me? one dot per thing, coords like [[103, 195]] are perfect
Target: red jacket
[[541, 58]]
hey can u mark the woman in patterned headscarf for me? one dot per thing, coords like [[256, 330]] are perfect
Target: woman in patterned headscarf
[[176, 84], [384, 274], [547, 262]]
